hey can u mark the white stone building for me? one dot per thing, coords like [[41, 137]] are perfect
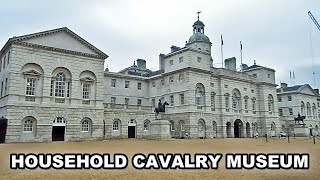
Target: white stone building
[[298, 99], [54, 88]]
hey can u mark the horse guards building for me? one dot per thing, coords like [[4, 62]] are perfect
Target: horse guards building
[[53, 87]]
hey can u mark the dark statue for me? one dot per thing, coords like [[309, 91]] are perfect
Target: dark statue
[[161, 107], [299, 118]]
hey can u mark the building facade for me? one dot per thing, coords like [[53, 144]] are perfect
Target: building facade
[[298, 99], [54, 88]]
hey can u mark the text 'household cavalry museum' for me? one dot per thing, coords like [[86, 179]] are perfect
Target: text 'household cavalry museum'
[[54, 87]]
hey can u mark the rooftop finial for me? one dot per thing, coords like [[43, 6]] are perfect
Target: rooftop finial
[[198, 14], [254, 62]]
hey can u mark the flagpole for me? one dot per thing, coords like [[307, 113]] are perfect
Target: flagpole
[[221, 52], [241, 56]]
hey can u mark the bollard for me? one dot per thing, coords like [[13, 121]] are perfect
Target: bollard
[[294, 136], [288, 139], [314, 140], [279, 136]]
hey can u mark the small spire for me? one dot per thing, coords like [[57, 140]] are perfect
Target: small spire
[[198, 14], [254, 62]]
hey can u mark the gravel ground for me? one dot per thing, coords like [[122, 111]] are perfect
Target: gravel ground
[[132, 146]]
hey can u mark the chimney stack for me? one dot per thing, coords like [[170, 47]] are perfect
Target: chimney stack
[[230, 64], [141, 63], [284, 85]]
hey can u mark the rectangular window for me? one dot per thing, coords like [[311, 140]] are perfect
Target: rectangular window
[[171, 100], [213, 101], [126, 101], [31, 86], [279, 99], [199, 59], [289, 98], [4, 62], [181, 99], [171, 62], [0, 64], [113, 82], [113, 101], [225, 86], [181, 59], [181, 77], [139, 85], [1, 88], [227, 102], [139, 102], [162, 82], [245, 89], [269, 75], [153, 84], [68, 88], [153, 103], [51, 88], [280, 112], [254, 106], [6, 87], [290, 111], [252, 90], [8, 57], [212, 84], [254, 75], [246, 104], [86, 91], [126, 84]]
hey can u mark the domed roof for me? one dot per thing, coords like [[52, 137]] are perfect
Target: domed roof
[[199, 37], [200, 23]]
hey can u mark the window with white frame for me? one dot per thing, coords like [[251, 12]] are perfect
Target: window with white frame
[[181, 77], [61, 86], [146, 125], [270, 103], [289, 98], [253, 105], [199, 59], [139, 85], [115, 125], [162, 82], [153, 84], [181, 99], [182, 128], [181, 59], [172, 100], [171, 62], [172, 125], [28, 126], [126, 102], [280, 112], [113, 82], [139, 102], [6, 87], [59, 120], [213, 101], [9, 55], [226, 99], [86, 87], [113, 101], [126, 84], [279, 99], [85, 126], [31, 86], [246, 104], [153, 102], [290, 111]]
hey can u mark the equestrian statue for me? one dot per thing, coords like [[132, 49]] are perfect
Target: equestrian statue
[[299, 118], [161, 108]]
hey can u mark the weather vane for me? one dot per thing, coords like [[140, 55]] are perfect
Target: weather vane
[[198, 14]]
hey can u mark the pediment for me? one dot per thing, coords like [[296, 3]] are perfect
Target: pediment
[[60, 39], [306, 89], [31, 73], [87, 79]]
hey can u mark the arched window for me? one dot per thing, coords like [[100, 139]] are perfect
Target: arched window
[[28, 126], [172, 125], [182, 128], [226, 99], [85, 126], [302, 109], [146, 125], [201, 125], [236, 100], [60, 85], [308, 109], [270, 103], [314, 110], [116, 125], [272, 126], [200, 95]]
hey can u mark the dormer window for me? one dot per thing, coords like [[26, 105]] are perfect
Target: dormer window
[[171, 62]]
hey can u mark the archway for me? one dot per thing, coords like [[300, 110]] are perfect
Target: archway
[[317, 130], [248, 129], [228, 129], [58, 129], [238, 128], [201, 129], [3, 129], [255, 129], [214, 126], [132, 128]]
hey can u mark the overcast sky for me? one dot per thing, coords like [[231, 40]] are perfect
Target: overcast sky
[[276, 33]]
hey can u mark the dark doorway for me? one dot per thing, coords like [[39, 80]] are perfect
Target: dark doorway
[[238, 126], [3, 129], [131, 131], [58, 133]]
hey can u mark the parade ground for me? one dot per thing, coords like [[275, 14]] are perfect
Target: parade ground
[[192, 146]]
